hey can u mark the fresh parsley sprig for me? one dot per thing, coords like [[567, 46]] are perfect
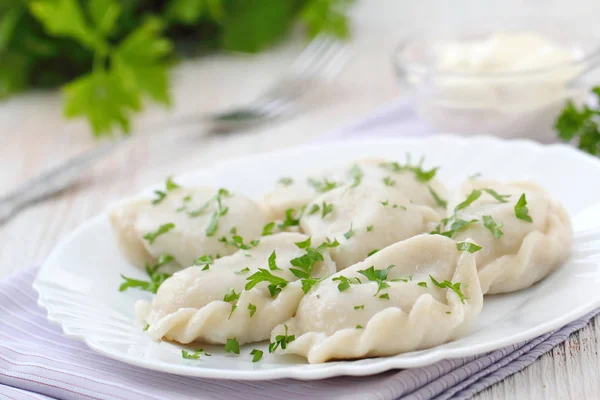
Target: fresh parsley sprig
[[581, 125], [455, 287], [156, 278], [377, 275], [281, 341]]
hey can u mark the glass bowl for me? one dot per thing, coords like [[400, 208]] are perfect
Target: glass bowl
[[510, 104]]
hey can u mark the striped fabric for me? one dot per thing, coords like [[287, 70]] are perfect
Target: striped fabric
[[37, 362]]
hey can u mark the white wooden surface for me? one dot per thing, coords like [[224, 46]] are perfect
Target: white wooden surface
[[34, 136]]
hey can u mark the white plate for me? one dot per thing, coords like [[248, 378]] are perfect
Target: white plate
[[78, 284]]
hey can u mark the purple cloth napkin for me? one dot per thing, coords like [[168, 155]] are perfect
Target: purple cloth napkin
[[37, 362]]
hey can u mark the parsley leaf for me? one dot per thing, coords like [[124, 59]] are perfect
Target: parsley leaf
[[313, 209], [521, 210], [580, 124], [272, 262], [439, 201], [385, 296], [359, 327], [350, 232], [389, 181], [370, 228], [231, 296], [326, 209], [213, 225], [257, 355], [455, 287], [305, 263], [420, 174], [242, 271], [204, 260], [468, 246], [281, 341], [323, 186], [268, 229], [232, 346], [500, 197], [471, 198], [290, 219], [346, 282], [156, 278], [276, 283], [356, 174], [151, 236], [360, 307], [492, 226], [238, 241], [372, 252], [424, 284], [193, 356], [251, 309], [308, 283], [377, 275]]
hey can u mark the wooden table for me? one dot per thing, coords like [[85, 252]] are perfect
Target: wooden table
[[35, 136]]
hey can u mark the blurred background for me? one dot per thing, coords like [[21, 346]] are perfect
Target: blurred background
[[75, 75]]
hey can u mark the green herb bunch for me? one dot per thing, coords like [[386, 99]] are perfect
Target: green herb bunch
[[109, 56], [581, 125]]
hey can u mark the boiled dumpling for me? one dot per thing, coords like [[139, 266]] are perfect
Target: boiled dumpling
[[525, 234], [364, 219], [418, 185], [186, 223], [413, 295], [210, 303]]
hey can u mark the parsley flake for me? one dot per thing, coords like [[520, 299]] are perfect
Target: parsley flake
[[455, 287], [377, 275], [521, 210], [272, 262], [372, 252], [204, 260], [268, 229], [251, 309], [346, 282], [242, 271], [424, 284], [468, 246], [326, 209], [385, 296], [359, 327], [232, 346], [195, 355], [439, 201], [151, 236], [276, 283], [492, 226], [471, 198], [323, 186], [388, 181], [357, 175], [231, 295], [256, 355], [290, 219], [156, 278], [350, 232], [500, 197], [238, 241], [370, 228], [233, 307], [281, 341], [385, 203], [361, 307], [314, 209], [146, 327]]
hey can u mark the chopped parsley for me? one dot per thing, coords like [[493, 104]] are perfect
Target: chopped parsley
[[290, 219], [251, 309], [193, 355], [468, 246], [238, 241], [268, 229], [448, 312], [357, 175], [276, 283], [314, 209], [273, 262], [231, 295], [521, 210], [221, 211], [256, 355], [492, 226], [385, 203], [242, 271], [233, 307], [361, 307], [372, 252], [323, 186], [303, 244], [500, 197], [221, 193], [204, 260], [346, 282], [388, 181], [420, 174], [281, 341], [285, 181], [377, 275], [424, 284], [146, 327], [160, 195], [308, 283], [232, 346], [359, 327], [457, 225], [370, 228], [439, 201], [471, 198], [455, 287], [350, 232], [304, 264], [385, 296], [326, 209], [151, 236], [156, 278]]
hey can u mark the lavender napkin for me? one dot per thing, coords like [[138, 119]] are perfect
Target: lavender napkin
[[37, 362]]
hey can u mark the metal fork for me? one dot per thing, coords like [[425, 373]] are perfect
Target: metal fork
[[322, 58]]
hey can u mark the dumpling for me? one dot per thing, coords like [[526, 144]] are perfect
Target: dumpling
[[525, 235], [186, 223], [364, 219], [211, 303], [412, 295], [418, 185]]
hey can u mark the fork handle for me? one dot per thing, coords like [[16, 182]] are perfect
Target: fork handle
[[53, 180]]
